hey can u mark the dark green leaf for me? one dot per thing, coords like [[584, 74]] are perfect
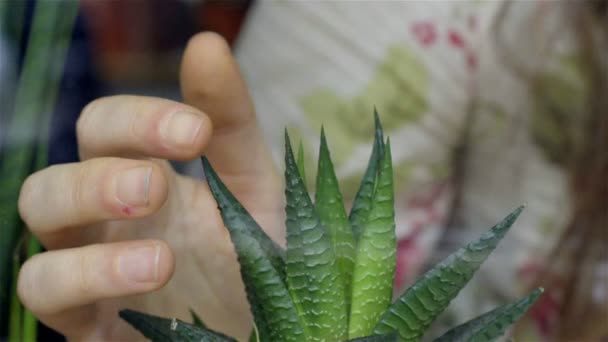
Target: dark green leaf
[[160, 329], [16, 309], [493, 324], [262, 267], [390, 337], [330, 207], [363, 199], [374, 270], [414, 311], [301, 166], [197, 320], [235, 215], [312, 272]]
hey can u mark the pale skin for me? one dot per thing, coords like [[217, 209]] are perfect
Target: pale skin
[[124, 230]]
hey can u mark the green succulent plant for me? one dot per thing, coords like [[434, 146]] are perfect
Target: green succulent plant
[[334, 281]]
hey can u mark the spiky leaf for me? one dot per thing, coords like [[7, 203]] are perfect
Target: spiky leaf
[[197, 320], [493, 324], [374, 270], [312, 272], [414, 311], [330, 206], [262, 267], [363, 199], [160, 329], [235, 215], [301, 166]]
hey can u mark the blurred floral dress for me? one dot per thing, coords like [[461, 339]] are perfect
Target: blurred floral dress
[[469, 141]]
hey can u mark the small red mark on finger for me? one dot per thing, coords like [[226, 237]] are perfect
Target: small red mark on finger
[[127, 211]]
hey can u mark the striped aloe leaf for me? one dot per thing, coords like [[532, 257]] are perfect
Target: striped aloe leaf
[[330, 206], [313, 275], [363, 199], [262, 267], [414, 311], [374, 270], [493, 324]]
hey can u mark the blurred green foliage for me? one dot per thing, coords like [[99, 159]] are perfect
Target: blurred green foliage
[[25, 130]]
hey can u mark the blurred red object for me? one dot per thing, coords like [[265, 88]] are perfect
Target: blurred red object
[[137, 41]]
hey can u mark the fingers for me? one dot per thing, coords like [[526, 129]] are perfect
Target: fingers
[[99, 189], [53, 284], [211, 81], [136, 125]]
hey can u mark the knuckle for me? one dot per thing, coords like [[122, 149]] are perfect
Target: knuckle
[[79, 185], [135, 119], [84, 283]]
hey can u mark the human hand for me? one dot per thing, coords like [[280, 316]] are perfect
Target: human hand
[[124, 230]]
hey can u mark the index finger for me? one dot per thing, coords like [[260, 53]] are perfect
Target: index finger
[[127, 125]]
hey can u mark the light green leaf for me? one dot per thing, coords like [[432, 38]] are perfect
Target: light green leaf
[[491, 325], [414, 311], [254, 336], [262, 267], [363, 200], [160, 329], [374, 270], [330, 206], [312, 272], [15, 316], [391, 337]]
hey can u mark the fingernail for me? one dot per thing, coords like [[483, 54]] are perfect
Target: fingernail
[[140, 264], [181, 128], [133, 186]]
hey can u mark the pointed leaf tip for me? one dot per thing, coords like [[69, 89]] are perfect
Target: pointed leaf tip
[[377, 122], [301, 162], [329, 204], [196, 320], [287, 140], [493, 324], [363, 199], [501, 228]]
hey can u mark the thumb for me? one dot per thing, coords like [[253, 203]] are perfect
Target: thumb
[[211, 81]]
